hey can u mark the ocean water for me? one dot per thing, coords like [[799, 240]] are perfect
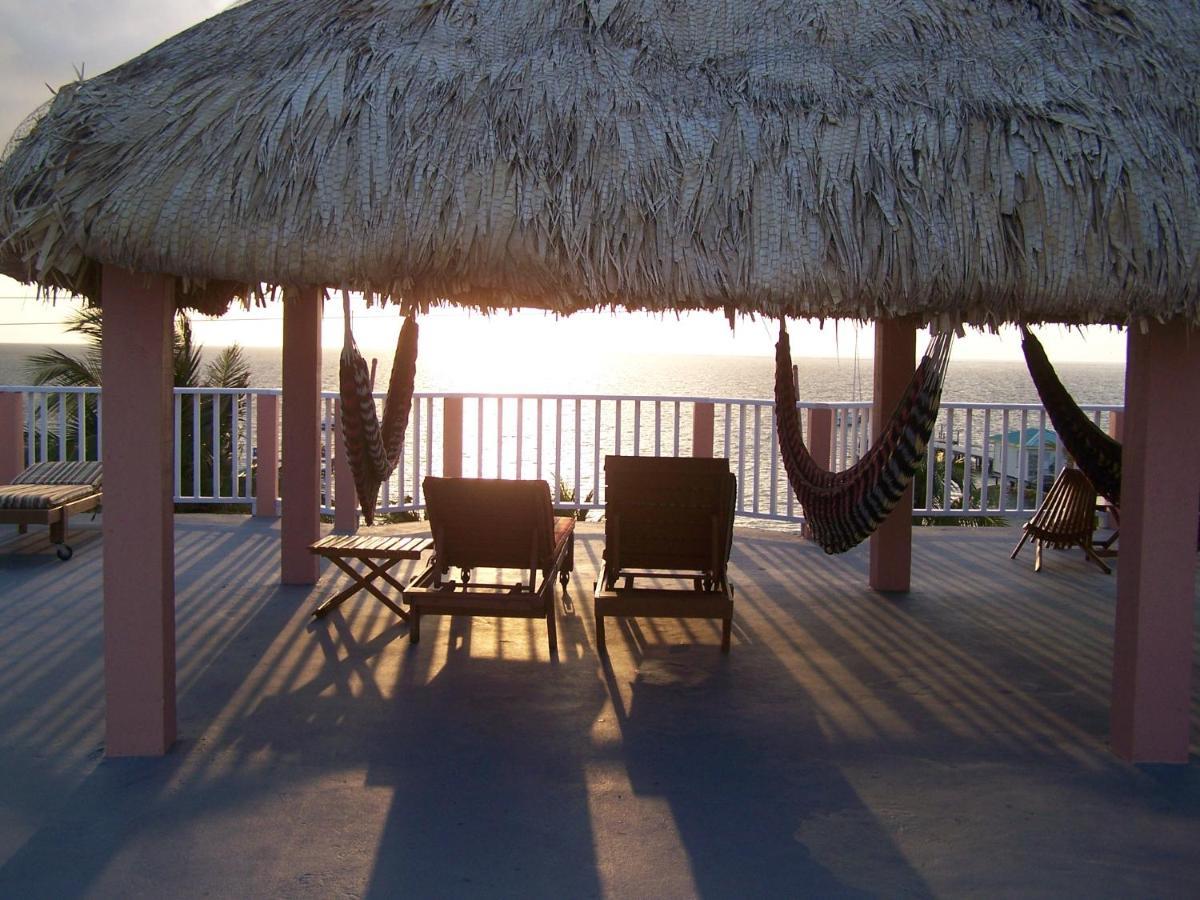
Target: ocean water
[[574, 370]]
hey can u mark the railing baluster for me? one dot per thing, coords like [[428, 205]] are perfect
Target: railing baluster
[[1004, 425], [81, 426], [617, 429], [540, 438], [178, 401], [985, 464], [637, 427], [215, 416], [520, 433], [757, 461], [416, 462], [247, 431], [578, 451], [596, 454], [479, 438], [677, 419], [967, 459], [499, 437], [774, 465], [741, 464], [45, 426], [196, 454], [559, 481], [100, 425]]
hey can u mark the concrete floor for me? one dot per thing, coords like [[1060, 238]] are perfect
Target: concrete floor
[[949, 743]]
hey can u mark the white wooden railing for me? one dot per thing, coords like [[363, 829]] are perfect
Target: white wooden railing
[[1001, 457]]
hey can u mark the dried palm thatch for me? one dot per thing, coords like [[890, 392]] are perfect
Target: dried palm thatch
[[965, 162]]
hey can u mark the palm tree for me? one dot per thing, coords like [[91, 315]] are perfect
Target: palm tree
[[228, 370]]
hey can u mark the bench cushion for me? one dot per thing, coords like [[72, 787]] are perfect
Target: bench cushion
[[89, 472], [42, 496]]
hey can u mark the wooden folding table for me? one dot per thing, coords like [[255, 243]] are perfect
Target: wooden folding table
[[377, 555]]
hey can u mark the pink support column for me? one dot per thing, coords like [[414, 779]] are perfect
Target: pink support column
[[12, 436], [820, 443], [266, 474], [345, 500], [139, 538], [895, 362], [704, 417], [301, 480], [820, 436], [452, 437], [1160, 494]]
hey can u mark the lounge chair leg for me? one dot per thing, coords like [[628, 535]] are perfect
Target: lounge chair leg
[[1089, 553], [552, 628], [601, 646], [414, 625], [1020, 544], [1037, 556], [726, 631]]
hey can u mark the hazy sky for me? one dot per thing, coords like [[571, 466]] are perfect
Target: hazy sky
[[44, 42]]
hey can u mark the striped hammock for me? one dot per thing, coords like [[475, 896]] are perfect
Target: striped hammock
[[373, 449], [844, 508], [1096, 454]]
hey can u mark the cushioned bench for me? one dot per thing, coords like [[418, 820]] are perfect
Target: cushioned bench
[[48, 493]]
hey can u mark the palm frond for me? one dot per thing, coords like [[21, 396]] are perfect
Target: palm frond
[[54, 367], [229, 370]]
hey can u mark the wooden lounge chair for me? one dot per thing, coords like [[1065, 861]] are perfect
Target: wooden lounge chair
[[47, 493], [486, 523], [667, 519], [1066, 518]]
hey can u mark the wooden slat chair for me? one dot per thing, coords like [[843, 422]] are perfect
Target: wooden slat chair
[[487, 523], [667, 518], [48, 493], [1066, 518]]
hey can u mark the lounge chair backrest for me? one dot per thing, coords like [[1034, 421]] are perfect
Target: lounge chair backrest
[[86, 472], [489, 522], [669, 513]]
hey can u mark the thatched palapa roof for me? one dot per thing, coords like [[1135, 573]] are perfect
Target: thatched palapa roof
[[977, 162]]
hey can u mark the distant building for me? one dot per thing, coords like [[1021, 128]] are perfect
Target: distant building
[[1020, 454]]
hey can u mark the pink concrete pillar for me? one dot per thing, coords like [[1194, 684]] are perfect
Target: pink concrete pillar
[[345, 499], [12, 436], [1160, 493], [301, 480], [266, 474], [703, 422], [452, 437], [895, 362], [139, 538], [820, 436]]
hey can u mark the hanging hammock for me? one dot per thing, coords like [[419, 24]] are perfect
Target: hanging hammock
[[1097, 455], [844, 508], [372, 450]]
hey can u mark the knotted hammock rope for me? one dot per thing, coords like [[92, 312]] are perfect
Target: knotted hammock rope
[[844, 508], [1096, 454], [372, 450]]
